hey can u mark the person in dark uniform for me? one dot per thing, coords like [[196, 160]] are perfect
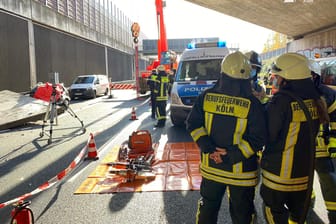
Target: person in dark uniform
[[258, 88], [326, 145], [151, 83], [288, 153], [161, 93], [227, 124]]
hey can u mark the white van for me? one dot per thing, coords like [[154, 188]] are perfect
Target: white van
[[89, 86], [199, 68]]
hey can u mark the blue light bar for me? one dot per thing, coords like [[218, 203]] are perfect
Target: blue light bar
[[207, 44], [221, 44], [191, 46]]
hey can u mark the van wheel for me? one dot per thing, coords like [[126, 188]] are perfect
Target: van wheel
[[106, 92], [94, 95]]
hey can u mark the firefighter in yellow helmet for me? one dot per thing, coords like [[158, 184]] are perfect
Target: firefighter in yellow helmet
[[161, 93], [326, 144], [227, 124], [287, 160]]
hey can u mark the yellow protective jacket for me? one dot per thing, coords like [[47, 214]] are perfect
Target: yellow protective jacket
[[287, 153], [327, 133], [221, 118], [161, 87]]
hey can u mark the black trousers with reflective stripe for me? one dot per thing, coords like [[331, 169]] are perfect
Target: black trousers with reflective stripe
[[327, 178], [161, 111], [280, 206], [153, 102], [240, 202]]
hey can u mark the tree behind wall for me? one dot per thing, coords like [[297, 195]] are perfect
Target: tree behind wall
[[275, 41]]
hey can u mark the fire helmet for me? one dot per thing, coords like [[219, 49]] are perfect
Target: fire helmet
[[161, 68], [291, 66], [255, 59], [315, 67], [236, 65]]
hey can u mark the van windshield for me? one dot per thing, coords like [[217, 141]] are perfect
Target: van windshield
[[82, 80], [199, 70]]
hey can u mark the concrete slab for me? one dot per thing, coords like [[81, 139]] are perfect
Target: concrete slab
[[17, 109]]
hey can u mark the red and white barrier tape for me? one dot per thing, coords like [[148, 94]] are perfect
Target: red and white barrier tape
[[52, 181], [123, 86]]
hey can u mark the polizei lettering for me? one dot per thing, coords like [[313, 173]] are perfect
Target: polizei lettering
[[198, 89]]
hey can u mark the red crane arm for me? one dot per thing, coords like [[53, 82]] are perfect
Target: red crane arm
[[162, 38]]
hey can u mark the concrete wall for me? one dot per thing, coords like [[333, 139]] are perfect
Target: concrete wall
[[45, 41], [67, 55], [14, 53], [55, 51], [322, 43]]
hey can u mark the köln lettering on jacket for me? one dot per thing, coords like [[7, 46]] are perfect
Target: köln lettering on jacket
[[226, 105], [298, 114]]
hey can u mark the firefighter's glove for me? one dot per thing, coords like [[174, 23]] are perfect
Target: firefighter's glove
[[332, 147], [216, 155]]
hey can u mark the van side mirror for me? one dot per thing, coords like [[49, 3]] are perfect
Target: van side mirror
[[97, 81]]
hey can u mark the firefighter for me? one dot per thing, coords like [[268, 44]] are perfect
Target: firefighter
[[225, 123], [151, 83], [258, 88], [161, 93], [288, 151], [326, 145]]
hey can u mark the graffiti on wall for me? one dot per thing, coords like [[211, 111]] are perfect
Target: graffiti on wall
[[319, 52]]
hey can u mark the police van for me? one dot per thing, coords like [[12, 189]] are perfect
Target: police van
[[198, 69]]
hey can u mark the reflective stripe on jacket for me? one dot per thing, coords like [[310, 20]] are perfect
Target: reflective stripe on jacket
[[286, 155], [327, 133], [161, 88], [234, 123]]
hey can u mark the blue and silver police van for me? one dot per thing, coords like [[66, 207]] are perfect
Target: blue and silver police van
[[199, 68]]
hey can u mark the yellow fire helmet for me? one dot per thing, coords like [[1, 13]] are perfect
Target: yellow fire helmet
[[161, 68], [292, 66], [236, 65]]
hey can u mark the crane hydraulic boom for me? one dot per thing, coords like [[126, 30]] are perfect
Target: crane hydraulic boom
[[162, 37], [164, 56]]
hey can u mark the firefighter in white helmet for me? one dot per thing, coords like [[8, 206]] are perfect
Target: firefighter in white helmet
[[288, 151], [227, 123], [326, 145]]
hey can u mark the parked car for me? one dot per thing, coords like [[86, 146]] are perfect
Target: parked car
[[89, 86]]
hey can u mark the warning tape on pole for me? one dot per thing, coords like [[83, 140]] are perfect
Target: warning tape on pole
[[50, 182]]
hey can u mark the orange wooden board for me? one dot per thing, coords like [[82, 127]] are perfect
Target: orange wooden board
[[175, 168]]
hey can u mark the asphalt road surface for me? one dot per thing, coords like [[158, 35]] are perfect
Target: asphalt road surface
[[27, 161]]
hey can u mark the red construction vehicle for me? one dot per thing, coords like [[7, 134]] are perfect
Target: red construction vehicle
[[164, 56]]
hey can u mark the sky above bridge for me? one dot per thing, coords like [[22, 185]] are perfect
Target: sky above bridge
[[186, 20]]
